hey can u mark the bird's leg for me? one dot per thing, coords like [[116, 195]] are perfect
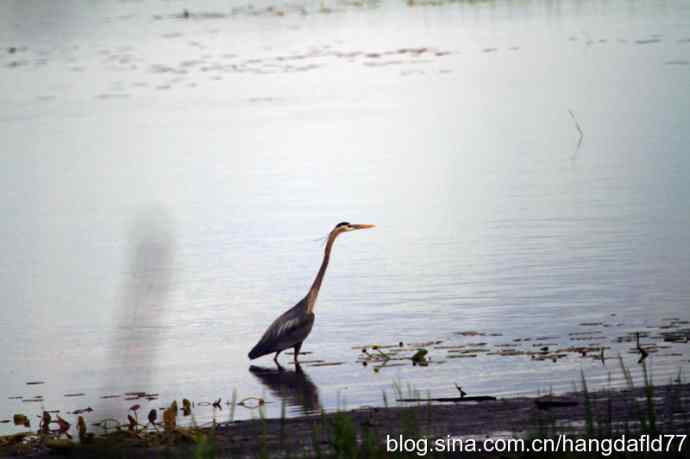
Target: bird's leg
[[275, 357], [297, 348]]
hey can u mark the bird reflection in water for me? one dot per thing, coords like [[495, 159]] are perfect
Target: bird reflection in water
[[293, 387]]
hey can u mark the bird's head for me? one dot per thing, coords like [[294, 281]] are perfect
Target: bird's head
[[344, 227]]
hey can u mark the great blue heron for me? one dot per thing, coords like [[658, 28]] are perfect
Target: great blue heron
[[294, 325]]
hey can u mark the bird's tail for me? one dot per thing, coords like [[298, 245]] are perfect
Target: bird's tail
[[256, 352]]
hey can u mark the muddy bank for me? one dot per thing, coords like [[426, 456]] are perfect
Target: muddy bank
[[612, 411], [664, 409]]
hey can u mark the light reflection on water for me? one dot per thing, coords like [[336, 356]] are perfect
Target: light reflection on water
[[251, 135]]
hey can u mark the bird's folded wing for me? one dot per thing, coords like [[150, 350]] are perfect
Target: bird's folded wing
[[286, 331]]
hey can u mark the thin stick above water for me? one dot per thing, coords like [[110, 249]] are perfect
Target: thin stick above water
[[579, 129]]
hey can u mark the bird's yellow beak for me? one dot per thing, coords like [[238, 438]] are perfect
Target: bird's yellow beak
[[362, 226]]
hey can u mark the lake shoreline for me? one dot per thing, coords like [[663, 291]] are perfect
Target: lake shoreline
[[612, 412]]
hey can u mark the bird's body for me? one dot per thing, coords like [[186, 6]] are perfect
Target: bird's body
[[292, 327]]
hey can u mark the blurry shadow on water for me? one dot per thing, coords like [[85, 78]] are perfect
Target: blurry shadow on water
[[293, 387], [140, 320]]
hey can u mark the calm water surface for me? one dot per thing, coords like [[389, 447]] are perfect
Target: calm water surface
[[165, 182]]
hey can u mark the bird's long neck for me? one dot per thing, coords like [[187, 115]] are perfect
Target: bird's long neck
[[314, 290]]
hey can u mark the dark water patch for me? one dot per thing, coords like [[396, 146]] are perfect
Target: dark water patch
[[588, 338], [348, 54], [508, 353], [162, 68], [16, 49], [191, 63], [683, 40], [677, 62], [196, 44], [17, 63], [489, 50], [470, 333], [467, 351], [300, 68], [82, 410], [384, 63], [190, 15], [648, 41], [256, 100], [109, 96], [585, 333], [325, 364]]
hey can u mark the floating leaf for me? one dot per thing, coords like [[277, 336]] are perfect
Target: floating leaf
[[419, 358], [63, 426], [251, 402], [45, 422], [132, 423], [470, 333], [153, 414], [81, 427], [21, 420], [170, 417], [83, 410]]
